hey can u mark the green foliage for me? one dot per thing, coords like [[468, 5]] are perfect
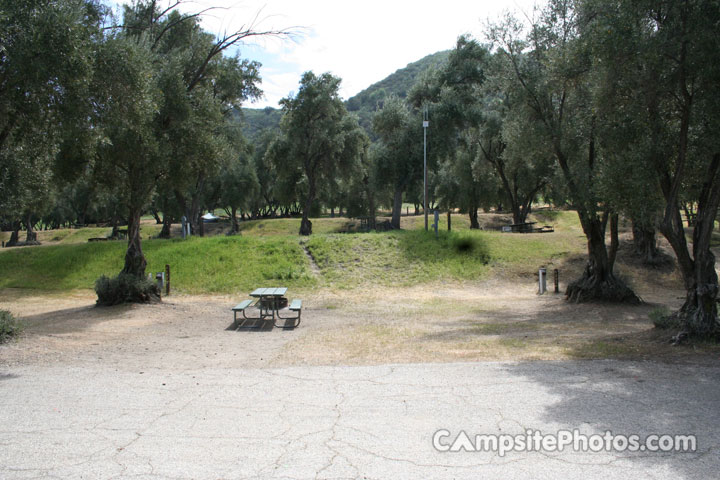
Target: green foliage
[[398, 84], [662, 318], [319, 143], [256, 120], [10, 326], [125, 288]]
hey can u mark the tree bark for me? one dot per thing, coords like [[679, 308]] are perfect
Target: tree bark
[[135, 262], [645, 242], [156, 214], [31, 237], [598, 281], [305, 223], [165, 232], [233, 217], [474, 224], [698, 316], [397, 208], [14, 236]]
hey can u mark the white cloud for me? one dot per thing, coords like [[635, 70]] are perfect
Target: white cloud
[[361, 42]]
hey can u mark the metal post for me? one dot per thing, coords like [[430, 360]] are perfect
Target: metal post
[[541, 281], [426, 124], [557, 281], [167, 279]]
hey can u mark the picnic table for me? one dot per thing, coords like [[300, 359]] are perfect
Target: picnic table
[[269, 302], [527, 227]]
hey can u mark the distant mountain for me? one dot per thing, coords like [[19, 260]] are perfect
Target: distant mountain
[[364, 104], [255, 120], [399, 83]]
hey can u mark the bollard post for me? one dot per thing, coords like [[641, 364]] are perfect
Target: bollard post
[[167, 279], [542, 286], [437, 221], [449, 221], [557, 280]]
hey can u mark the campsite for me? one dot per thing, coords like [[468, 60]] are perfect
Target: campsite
[[243, 244]]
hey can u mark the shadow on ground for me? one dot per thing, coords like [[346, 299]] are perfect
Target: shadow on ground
[[639, 398]]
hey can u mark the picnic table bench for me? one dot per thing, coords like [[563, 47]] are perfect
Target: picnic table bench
[[269, 302]]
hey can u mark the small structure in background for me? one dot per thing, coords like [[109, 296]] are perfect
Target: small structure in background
[[210, 218]]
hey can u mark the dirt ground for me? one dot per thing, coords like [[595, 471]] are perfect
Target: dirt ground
[[488, 320]]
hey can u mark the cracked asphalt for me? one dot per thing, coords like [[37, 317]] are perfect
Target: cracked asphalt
[[108, 421]]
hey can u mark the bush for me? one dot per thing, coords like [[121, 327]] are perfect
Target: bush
[[9, 326], [125, 288], [662, 319]]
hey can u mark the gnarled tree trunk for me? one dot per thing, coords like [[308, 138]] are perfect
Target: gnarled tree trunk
[[645, 242], [305, 223], [135, 262], [473, 213], [698, 316], [598, 281]]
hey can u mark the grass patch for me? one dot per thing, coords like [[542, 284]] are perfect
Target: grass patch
[[606, 349], [412, 257], [198, 265]]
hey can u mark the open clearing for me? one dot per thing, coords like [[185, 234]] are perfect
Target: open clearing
[[172, 390]]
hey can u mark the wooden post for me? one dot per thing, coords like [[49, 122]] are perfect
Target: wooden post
[[167, 279], [449, 221], [557, 280]]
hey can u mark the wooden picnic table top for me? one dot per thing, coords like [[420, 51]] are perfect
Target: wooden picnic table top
[[269, 292]]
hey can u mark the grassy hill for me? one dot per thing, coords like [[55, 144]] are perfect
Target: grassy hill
[[271, 252]]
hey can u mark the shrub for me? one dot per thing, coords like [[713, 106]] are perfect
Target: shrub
[[9, 326], [125, 288], [662, 319]]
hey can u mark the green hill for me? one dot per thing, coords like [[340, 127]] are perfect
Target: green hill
[[255, 120], [399, 83], [364, 104]]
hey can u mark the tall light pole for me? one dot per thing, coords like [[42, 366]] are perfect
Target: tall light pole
[[426, 124]]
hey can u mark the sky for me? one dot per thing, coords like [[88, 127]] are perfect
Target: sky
[[361, 42]]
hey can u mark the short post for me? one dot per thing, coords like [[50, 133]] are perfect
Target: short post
[[167, 279], [160, 280], [437, 221], [449, 221], [557, 280], [542, 286]]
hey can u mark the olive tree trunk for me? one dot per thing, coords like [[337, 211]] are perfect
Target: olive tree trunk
[[397, 208]]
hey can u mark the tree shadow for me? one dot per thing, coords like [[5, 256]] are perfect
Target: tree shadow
[[71, 320], [632, 398]]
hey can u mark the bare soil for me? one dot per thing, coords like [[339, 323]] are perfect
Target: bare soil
[[444, 322]]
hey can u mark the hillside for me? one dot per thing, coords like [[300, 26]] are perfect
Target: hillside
[[255, 120], [398, 83]]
